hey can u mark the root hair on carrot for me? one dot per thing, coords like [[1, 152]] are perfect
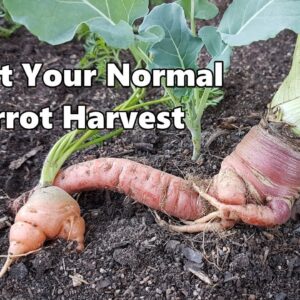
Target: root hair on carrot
[[20, 255]]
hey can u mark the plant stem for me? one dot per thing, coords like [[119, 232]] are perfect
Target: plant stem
[[152, 102], [136, 55], [203, 101], [193, 23], [196, 140], [175, 101], [137, 95], [100, 140], [139, 55], [193, 119], [7, 32]]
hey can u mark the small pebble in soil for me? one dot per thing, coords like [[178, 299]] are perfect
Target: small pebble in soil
[[77, 280], [281, 296], [102, 284], [192, 255], [60, 291]]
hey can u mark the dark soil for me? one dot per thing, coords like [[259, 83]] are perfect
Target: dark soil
[[127, 255]]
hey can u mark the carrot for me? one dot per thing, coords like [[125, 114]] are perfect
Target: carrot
[[49, 213], [250, 187]]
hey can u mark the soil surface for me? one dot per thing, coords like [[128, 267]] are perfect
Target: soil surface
[[127, 255]]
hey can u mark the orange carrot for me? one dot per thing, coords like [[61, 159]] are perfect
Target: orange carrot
[[254, 187], [49, 213], [154, 188]]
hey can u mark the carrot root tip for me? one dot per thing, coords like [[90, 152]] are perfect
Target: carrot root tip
[[6, 266]]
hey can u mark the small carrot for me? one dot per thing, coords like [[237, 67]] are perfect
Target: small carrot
[[49, 213]]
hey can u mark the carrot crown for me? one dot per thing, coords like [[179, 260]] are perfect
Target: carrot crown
[[286, 102]]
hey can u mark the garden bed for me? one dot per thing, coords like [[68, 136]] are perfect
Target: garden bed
[[127, 254]]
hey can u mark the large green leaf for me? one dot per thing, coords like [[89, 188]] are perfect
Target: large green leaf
[[204, 9], [179, 48], [56, 21], [246, 21], [215, 46]]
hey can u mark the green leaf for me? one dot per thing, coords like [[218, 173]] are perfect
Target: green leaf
[[117, 36], [56, 21], [149, 37], [215, 46], [204, 9], [247, 21], [179, 48]]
